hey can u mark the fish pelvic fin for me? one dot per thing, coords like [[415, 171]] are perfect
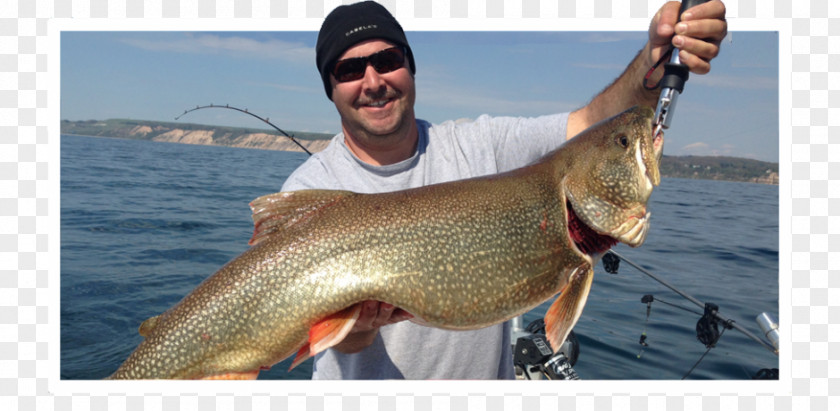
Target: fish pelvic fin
[[564, 313], [273, 213], [327, 333], [148, 326]]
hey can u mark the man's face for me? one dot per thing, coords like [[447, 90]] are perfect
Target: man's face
[[378, 108]]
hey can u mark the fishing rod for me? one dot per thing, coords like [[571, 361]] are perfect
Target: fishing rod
[[264, 120], [688, 297], [672, 82]]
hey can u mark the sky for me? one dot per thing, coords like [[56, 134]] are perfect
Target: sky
[[157, 75]]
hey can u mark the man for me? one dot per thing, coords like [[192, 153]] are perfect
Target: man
[[367, 68]]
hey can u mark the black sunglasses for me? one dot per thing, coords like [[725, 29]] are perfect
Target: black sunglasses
[[383, 61]]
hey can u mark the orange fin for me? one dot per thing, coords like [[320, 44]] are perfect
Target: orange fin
[[565, 311], [244, 375], [328, 332], [301, 356], [274, 212]]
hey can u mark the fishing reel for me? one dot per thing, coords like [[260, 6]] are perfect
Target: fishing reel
[[533, 358]]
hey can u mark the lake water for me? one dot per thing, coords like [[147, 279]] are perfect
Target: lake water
[[142, 223]]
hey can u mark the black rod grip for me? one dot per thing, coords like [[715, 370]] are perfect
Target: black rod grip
[[677, 74], [687, 4]]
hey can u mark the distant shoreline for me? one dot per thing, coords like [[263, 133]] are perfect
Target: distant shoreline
[[188, 133], [689, 167]]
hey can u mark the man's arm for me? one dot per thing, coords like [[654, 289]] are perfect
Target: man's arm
[[698, 36]]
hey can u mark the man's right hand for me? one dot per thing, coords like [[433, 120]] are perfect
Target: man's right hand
[[374, 314]]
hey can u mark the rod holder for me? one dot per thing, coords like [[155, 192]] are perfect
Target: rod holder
[[770, 327]]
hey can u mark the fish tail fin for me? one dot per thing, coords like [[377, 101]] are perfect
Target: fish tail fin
[[565, 311], [275, 212], [328, 332]]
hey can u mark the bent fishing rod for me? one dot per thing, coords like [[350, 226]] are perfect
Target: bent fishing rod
[[264, 120]]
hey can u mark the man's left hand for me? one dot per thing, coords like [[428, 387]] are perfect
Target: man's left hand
[[697, 35]]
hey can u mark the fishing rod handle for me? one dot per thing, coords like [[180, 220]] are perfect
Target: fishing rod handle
[[676, 73], [687, 4], [684, 5]]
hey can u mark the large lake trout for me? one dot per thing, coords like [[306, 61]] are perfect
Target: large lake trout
[[460, 255]]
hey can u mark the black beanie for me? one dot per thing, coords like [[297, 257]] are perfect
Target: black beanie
[[348, 25]]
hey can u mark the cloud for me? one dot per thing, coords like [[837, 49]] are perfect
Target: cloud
[[233, 45], [696, 146]]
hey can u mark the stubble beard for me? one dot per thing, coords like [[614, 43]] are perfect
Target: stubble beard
[[365, 129]]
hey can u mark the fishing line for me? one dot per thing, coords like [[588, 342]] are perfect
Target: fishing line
[[645, 81], [707, 328], [264, 120], [696, 363], [709, 346], [647, 299], [697, 302], [678, 306]]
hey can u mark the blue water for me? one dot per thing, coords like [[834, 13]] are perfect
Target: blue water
[[142, 223]]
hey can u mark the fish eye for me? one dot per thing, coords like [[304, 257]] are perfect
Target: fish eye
[[623, 141]]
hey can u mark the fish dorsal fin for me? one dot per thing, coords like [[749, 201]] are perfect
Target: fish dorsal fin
[[274, 212], [148, 326]]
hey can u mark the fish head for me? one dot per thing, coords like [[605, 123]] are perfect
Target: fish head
[[613, 170]]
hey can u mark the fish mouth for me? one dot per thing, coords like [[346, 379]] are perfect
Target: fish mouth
[[593, 243], [586, 240], [652, 164]]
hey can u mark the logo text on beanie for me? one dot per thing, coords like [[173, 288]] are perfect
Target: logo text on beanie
[[358, 29]]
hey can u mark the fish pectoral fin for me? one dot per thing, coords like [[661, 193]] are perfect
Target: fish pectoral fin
[[301, 356], [332, 330], [148, 326], [566, 310], [328, 332], [275, 212]]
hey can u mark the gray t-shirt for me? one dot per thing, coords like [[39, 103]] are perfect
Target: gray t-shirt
[[445, 152]]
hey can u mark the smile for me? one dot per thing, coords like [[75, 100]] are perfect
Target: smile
[[378, 103]]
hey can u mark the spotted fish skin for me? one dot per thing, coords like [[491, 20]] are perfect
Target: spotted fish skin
[[460, 255]]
